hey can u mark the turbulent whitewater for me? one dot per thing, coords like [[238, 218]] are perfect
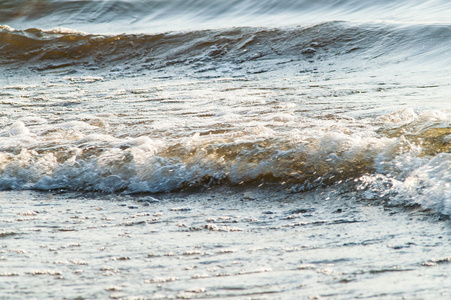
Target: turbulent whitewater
[[219, 149], [161, 96]]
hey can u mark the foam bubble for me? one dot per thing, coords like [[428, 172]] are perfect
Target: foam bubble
[[18, 128]]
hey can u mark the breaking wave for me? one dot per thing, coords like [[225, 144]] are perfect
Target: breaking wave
[[400, 157], [326, 41], [411, 167]]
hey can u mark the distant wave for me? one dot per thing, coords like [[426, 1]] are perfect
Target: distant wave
[[330, 40], [156, 16]]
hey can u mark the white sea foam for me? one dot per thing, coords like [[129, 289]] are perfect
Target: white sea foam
[[319, 103], [430, 184], [101, 162], [18, 128], [64, 31], [306, 157]]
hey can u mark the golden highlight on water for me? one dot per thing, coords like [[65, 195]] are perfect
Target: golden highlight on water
[[234, 149]]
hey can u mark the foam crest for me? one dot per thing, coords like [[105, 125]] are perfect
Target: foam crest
[[422, 181], [98, 162], [405, 161], [430, 185], [64, 31], [427, 133], [420, 172]]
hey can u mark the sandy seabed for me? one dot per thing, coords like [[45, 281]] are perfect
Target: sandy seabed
[[222, 243]]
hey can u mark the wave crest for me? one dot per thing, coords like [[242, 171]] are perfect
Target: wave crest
[[195, 49]]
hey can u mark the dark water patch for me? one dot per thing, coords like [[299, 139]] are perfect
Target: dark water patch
[[434, 262], [44, 50], [7, 233]]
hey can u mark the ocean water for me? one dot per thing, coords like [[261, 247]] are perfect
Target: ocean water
[[116, 96], [129, 98]]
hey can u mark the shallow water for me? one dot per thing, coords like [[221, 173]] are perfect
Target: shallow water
[[259, 244], [259, 106]]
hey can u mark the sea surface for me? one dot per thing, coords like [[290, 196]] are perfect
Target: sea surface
[[127, 99]]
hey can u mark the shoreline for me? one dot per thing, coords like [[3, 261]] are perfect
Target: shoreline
[[220, 243]]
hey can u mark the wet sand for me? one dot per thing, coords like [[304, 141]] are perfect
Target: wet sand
[[220, 243]]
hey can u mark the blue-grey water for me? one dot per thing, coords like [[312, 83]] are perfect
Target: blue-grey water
[[134, 98]]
